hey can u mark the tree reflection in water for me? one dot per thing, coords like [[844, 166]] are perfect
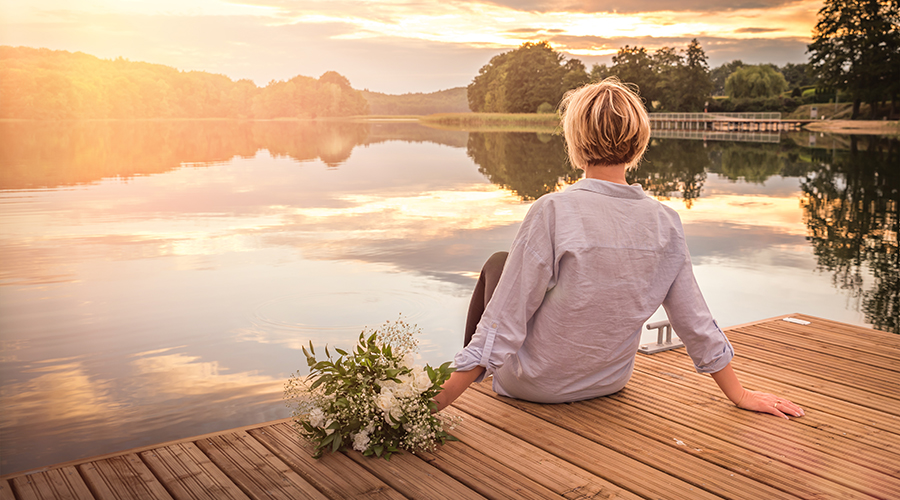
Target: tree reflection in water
[[671, 166], [526, 163], [851, 212], [850, 189], [850, 194]]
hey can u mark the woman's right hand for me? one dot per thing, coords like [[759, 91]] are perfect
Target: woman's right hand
[[769, 403]]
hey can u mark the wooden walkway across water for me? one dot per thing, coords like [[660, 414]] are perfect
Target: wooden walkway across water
[[669, 434], [725, 122]]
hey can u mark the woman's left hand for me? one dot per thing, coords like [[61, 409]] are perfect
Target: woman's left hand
[[769, 403]]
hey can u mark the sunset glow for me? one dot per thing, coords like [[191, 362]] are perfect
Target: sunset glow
[[397, 46]]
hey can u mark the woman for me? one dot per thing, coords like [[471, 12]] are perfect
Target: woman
[[588, 267]]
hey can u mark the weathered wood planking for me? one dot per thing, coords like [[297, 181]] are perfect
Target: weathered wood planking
[[669, 434]]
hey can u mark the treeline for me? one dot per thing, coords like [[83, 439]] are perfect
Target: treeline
[[443, 101], [53, 84], [853, 57], [534, 77]]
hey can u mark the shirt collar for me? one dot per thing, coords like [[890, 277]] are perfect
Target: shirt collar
[[616, 190]]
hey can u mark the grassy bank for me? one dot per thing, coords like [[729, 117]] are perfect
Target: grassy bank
[[486, 122]]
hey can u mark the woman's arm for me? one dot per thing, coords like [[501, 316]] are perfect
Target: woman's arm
[[456, 385], [753, 400]]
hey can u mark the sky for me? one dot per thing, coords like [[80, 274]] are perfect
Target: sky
[[400, 46]]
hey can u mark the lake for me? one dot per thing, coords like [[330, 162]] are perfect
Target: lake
[[159, 278]]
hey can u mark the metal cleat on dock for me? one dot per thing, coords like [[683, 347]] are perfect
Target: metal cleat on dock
[[662, 328]]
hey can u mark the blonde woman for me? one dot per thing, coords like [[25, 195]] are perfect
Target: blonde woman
[[559, 317]]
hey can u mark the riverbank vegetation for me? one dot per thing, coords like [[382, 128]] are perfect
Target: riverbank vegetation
[[443, 101], [505, 122]]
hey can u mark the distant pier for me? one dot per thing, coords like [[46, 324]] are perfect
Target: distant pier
[[745, 127]]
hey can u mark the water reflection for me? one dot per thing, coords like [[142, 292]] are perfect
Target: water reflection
[[528, 164], [158, 277], [673, 166], [851, 209], [54, 154]]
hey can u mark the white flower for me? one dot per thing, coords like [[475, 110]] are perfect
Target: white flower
[[385, 401], [316, 417], [405, 389], [361, 441], [421, 380], [409, 359], [328, 431]]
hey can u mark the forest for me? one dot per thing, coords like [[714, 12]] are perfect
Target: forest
[[443, 101], [853, 57], [56, 84]]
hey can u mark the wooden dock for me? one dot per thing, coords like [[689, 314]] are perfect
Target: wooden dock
[[725, 122], [669, 434]]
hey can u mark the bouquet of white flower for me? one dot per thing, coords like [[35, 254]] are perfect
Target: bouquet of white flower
[[374, 399]]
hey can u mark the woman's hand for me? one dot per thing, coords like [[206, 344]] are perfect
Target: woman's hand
[[768, 403], [753, 400]]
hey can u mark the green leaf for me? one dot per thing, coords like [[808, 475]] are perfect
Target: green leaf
[[341, 351], [378, 449], [336, 443]]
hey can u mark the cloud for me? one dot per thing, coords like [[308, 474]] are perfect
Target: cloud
[[390, 46], [756, 30], [639, 6]]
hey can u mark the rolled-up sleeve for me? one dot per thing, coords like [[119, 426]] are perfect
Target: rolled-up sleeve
[[689, 315], [527, 275]]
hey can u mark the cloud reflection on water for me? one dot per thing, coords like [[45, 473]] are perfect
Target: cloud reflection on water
[[142, 300]]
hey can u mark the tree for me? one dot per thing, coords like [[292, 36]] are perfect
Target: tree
[[599, 72], [520, 80], [755, 81], [720, 74], [797, 75], [669, 80], [695, 84], [855, 49], [634, 65], [666, 66]]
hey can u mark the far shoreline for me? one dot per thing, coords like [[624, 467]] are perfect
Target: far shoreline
[[486, 122]]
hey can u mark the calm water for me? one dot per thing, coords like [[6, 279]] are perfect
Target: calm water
[[158, 278]]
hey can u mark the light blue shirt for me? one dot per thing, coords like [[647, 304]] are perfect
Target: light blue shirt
[[587, 268]]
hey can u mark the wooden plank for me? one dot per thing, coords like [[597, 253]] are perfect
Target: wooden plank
[[778, 469], [335, 474], [254, 469], [62, 484], [415, 478], [664, 455], [561, 477], [773, 437], [817, 340], [189, 474], [756, 467], [830, 417], [485, 475], [6, 492], [122, 477], [868, 378], [724, 413], [852, 404], [138, 449], [851, 359], [580, 451], [852, 332], [836, 390]]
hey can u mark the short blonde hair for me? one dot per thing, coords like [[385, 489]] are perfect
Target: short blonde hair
[[605, 124]]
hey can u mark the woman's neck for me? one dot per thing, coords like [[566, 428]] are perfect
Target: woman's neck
[[610, 173]]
